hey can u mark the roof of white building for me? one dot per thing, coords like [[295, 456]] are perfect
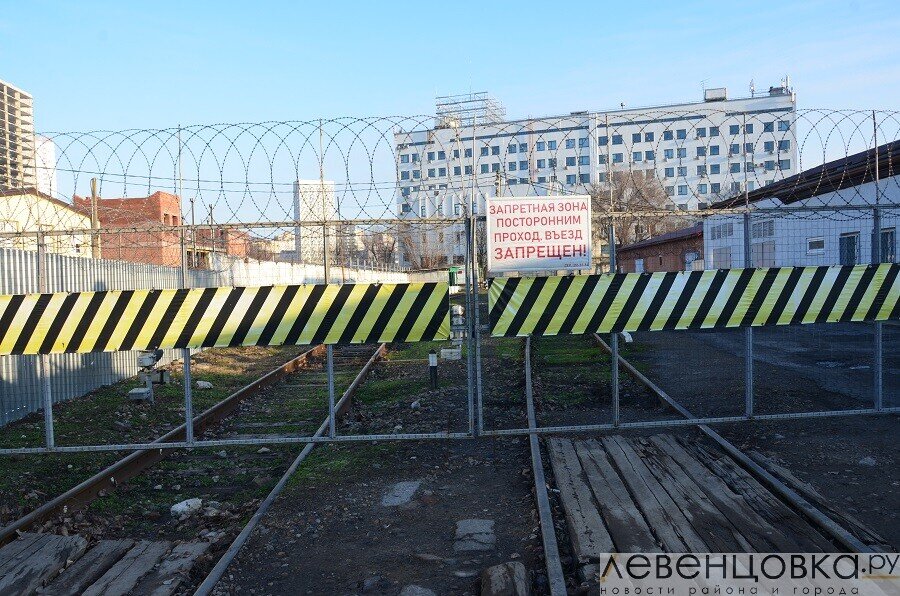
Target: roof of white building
[[833, 176]]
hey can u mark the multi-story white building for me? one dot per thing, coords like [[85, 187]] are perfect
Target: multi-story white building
[[314, 200], [17, 151], [692, 154]]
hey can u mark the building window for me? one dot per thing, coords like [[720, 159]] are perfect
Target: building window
[[889, 245], [583, 142], [701, 151], [748, 129], [456, 208], [669, 153], [570, 179], [748, 166], [417, 174], [735, 187], [405, 208], [512, 148], [422, 211], [570, 143], [784, 164], [713, 149], [784, 125], [635, 137], [713, 131], [668, 135], [681, 152], [768, 127], [431, 156], [734, 149], [540, 145], [639, 265], [848, 247], [648, 137], [523, 166], [442, 155], [723, 230], [542, 179], [523, 147], [485, 168], [784, 145], [431, 172], [701, 170], [456, 154], [551, 163], [404, 175], [734, 168], [701, 189], [457, 170], [670, 191], [618, 158], [584, 160], [415, 158], [468, 170], [603, 141], [584, 178], [551, 145], [682, 171], [512, 182], [715, 188], [763, 229], [722, 257], [815, 246], [404, 158], [485, 151], [637, 156], [762, 254], [570, 161], [467, 152], [512, 166], [681, 134], [601, 177], [701, 132], [748, 147], [670, 172], [442, 171], [734, 130], [715, 168], [770, 165], [769, 146], [682, 189], [617, 139], [649, 156], [495, 167], [541, 163], [495, 150]]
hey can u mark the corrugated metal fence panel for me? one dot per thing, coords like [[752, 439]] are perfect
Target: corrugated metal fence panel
[[74, 375]]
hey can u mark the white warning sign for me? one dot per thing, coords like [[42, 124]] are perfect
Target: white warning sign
[[539, 233]]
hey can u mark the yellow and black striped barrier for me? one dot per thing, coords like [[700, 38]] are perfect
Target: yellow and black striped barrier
[[693, 299], [116, 320]]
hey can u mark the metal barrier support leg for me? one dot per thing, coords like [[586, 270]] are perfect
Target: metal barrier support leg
[[44, 359], [329, 365], [748, 332]]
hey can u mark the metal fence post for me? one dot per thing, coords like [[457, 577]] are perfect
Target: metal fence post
[[878, 356], [44, 359], [476, 321], [748, 331], [470, 356], [186, 356], [614, 337]]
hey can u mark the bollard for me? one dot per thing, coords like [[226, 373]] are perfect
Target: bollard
[[432, 368]]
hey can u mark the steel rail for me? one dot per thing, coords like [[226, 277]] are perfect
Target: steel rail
[[340, 407], [810, 511], [555, 577], [135, 463]]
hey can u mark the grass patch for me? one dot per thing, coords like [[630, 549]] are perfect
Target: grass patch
[[327, 461]]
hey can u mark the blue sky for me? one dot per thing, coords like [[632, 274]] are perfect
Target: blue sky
[[114, 65]]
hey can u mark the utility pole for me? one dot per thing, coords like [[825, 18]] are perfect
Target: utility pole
[[95, 221]]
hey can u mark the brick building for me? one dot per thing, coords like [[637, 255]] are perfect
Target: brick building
[[134, 230], [680, 250]]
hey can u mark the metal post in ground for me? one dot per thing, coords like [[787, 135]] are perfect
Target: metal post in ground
[[329, 365], [186, 355], [470, 356], [44, 359], [748, 331], [878, 355], [614, 337]]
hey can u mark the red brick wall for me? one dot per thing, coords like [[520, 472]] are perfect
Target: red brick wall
[[665, 256]]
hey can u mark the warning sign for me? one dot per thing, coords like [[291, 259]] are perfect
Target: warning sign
[[539, 233]]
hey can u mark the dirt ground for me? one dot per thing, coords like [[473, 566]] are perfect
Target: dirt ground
[[331, 533], [853, 461]]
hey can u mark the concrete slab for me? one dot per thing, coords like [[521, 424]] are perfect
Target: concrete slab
[[400, 493]]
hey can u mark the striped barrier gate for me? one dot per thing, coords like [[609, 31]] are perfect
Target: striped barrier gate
[[753, 297], [118, 320]]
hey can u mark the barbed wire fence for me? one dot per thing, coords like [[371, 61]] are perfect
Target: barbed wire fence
[[392, 198]]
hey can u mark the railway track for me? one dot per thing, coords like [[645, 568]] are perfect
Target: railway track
[[109, 522]]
